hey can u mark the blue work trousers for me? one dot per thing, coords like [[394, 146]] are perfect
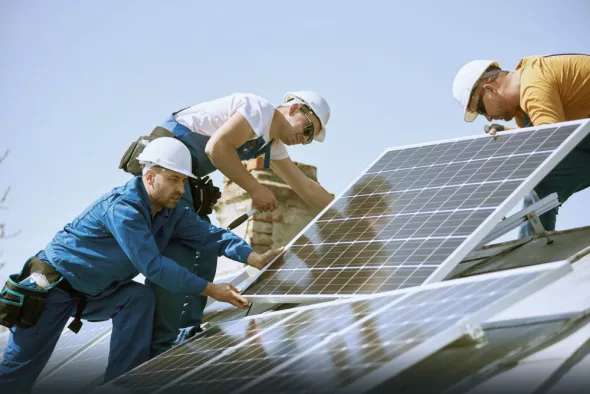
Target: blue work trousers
[[571, 175], [131, 308]]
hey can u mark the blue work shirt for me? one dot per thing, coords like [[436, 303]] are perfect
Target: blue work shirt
[[116, 238]]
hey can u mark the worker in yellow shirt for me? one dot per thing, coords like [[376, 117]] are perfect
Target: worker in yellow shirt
[[541, 90]]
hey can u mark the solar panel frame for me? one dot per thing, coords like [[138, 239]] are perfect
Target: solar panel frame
[[471, 241], [218, 312]]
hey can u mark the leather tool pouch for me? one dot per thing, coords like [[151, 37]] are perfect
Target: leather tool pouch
[[205, 195], [22, 305], [129, 161]]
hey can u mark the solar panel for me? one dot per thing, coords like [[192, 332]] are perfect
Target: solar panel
[[222, 311], [218, 312], [83, 370], [331, 346], [414, 214], [178, 361], [282, 342], [70, 344]]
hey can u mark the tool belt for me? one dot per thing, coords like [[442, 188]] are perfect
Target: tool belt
[[129, 161], [22, 305], [204, 193]]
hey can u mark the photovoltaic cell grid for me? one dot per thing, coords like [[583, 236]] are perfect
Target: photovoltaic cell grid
[[194, 353], [69, 344], [402, 219], [282, 342], [328, 347], [82, 372]]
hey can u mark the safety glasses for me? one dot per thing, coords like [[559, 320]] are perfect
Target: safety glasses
[[309, 130]]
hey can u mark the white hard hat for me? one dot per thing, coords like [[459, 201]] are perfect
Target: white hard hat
[[317, 104], [169, 153], [466, 80]]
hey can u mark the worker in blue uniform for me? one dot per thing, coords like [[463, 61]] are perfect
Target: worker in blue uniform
[[91, 264], [220, 134]]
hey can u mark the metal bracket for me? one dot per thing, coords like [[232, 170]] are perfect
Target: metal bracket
[[536, 223], [538, 226], [508, 224]]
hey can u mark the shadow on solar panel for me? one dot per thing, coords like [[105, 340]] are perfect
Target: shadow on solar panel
[[413, 215]]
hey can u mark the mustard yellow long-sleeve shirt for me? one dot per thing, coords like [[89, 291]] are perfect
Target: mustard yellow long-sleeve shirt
[[554, 89]]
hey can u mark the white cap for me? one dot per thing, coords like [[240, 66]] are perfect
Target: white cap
[[466, 80], [318, 105], [169, 153]]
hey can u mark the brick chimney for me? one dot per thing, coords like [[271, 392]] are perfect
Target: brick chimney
[[264, 230]]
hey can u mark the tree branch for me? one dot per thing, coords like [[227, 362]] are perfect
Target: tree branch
[[5, 195], [4, 236], [4, 156]]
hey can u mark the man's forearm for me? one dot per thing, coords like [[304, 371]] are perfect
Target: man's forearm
[[316, 196], [226, 160]]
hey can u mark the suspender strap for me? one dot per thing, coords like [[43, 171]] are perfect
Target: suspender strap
[[76, 324], [527, 121], [81, 300], [267, 155]]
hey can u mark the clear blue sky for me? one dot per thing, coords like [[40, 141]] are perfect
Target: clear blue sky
[[79, 80]]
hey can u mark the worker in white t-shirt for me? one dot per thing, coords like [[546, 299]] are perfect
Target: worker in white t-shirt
[[220, 134]]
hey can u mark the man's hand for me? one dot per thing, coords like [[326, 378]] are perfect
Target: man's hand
[[264, 200], [260, 261], [493, 128], [226, 292]]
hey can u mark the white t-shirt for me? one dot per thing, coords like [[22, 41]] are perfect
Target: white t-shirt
[[206, 118]]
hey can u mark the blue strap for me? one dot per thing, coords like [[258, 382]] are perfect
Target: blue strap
[[267, 156], [527, 121], [264, 149]]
